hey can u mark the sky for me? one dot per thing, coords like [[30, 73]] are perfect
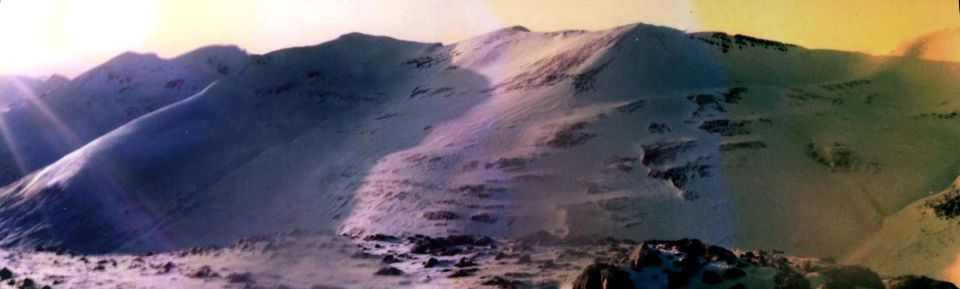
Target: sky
[[42, 37]]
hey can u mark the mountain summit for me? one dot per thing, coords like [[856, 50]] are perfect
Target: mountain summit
[[639, 131]]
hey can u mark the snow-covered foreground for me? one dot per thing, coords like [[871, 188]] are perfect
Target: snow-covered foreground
[[322, 261], [639, 131]]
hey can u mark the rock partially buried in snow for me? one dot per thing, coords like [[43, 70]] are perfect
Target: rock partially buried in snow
[[644, 256], [5, 274], [603, 276], [851, 277], [918, 282], [388, 271]]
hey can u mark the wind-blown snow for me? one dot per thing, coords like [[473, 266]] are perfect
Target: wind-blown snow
[[638, 131]]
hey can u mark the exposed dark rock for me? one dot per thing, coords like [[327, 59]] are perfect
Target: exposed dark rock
[[561, 67], [430, 263], [360, 255], [947, 205], [478, 190], [690, 265], [5, 274], [465, 262], [585, 81], [633, 106], [852, 277], [446, 246], [845, 85], [721, 254], [203, 272], [484, 218], [711, 278], [725, 42], [836, 156], [661, 153], [508, 164], [568, 136], [680, 176], [733, 95], [548, 264], [733, 273], [525, 259], [240, 277], [918, 282], [388, 271], [677, 279], [325, 287], [602, 276], [382, 238], [623, 164], [705, 102], [789, 279], [26, 283], [462, 273], [644, 256], [538, 238], [440, 215], [658, 128], [502, 283], [390, 259], [943, 116], [738, 286], [726, 127], [752, 145], [167, 267]]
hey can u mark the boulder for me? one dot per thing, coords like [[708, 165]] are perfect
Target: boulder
[[603, 276], [388, 271], [851, 277], [789, 279], [918, 282], [644, 256]]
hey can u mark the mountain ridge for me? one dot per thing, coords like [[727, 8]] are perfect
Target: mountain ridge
[[638, 131]]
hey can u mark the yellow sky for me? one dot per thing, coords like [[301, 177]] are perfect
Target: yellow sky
[[40, 37]]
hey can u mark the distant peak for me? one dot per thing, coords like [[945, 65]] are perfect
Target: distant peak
[[362, 39], [509, 30], [358, 35], [502, 32], [136, 55], [131, 57], [216, 49], [517, 28], [57, 78], [222, 52]]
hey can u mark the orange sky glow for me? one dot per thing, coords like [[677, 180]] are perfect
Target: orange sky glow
[[41, 37]]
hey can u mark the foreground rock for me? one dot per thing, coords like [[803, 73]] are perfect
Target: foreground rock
[[308, 260], [603, 276], [918, 282]]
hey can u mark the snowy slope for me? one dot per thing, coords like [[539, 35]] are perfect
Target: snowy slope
[[916, 240], [15, 89], [59, 115], [638, 131]]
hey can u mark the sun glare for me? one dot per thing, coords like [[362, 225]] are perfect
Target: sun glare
[[105, 25]]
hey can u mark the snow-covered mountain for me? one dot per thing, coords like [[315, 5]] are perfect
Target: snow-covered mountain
[[45, 120], [15, 89], [638, 131]]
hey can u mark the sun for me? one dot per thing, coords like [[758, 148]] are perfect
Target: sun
[[109, 25]]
